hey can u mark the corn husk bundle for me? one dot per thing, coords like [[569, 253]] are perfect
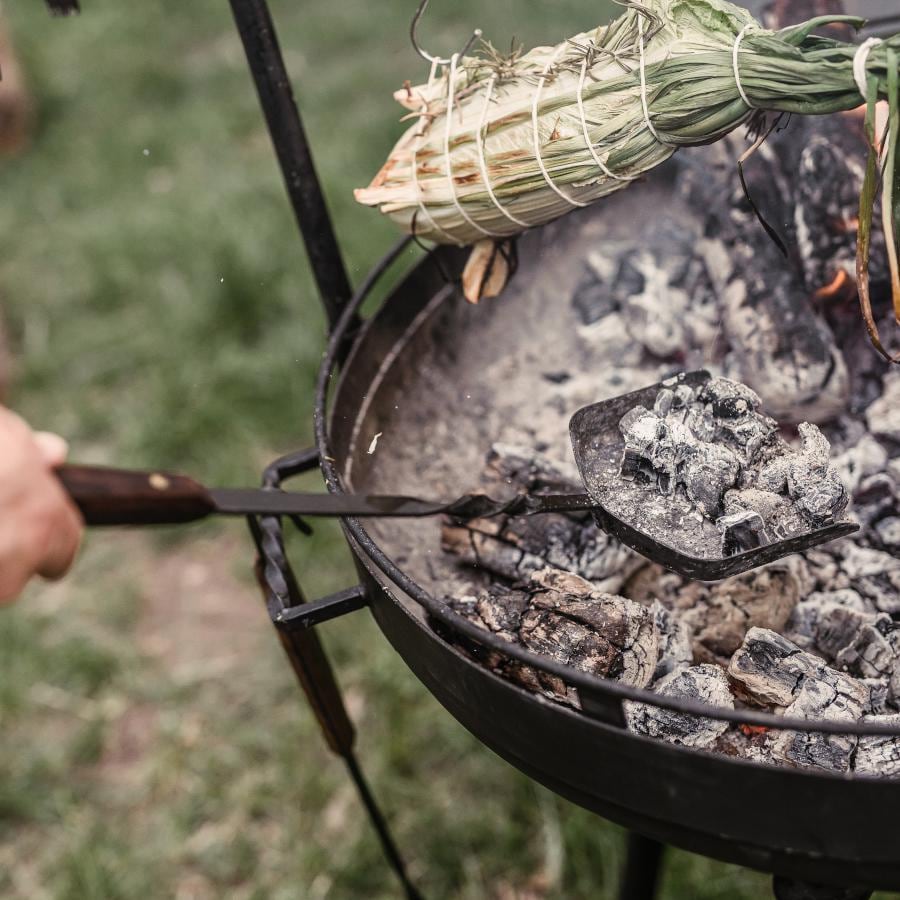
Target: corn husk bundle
[[504, 142]]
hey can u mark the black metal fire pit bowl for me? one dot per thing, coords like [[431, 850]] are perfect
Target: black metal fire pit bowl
[[805, 825], [801, 824]]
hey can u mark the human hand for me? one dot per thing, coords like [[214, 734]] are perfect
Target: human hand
[[40, 528]]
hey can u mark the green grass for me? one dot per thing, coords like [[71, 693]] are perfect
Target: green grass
[[153, 742]]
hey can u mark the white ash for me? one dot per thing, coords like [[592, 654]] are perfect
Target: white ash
[[808, 359], [878, 755], [844, 701], [883, 416], [716, 447], [704, 683], [675, 641], [514, 548], [769, 669]]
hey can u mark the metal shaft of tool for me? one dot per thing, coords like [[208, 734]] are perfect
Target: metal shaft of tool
[[231, 501]]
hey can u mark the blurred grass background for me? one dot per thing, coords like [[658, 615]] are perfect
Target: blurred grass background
[[159, 307]]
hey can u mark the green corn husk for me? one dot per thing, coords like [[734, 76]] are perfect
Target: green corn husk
[[691, 96]]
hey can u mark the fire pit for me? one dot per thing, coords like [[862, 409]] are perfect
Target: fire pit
[[415, 398]]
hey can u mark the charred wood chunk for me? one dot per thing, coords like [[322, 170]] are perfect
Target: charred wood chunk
[[836, 699], [528, 470], [593, 298], [883, 416], [573, 623], [772, 670], [500, 609], [780, 346], [675, 651], [718, 615], [514, 548], [879, 754], [873, 574], [704, 683]]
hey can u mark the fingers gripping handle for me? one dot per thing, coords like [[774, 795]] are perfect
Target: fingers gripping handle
[[121, 497]]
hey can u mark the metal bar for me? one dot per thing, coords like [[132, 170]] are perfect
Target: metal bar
[[381, 827], [307, 656], [299, 618], [257, 30], [643, 861]]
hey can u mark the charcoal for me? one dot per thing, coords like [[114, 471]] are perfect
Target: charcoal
[[772, 670], [888, 531], [718, 615], [874, 498], [500, 609], [815, 487], [732, 465], [880, 700], [865, 457], [592, 297], [528, 470], [741, 531], [572, 623], [875, 575], [708, 474], [704, 683], [879, 754], [868, 653], [675, 651], [804, 627], [512, 548], [883, 416], [665, 292], [835, 700], [780, 347]]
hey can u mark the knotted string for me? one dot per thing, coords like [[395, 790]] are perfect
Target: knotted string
[[449, 164], [483, 163], [537, 137], [643, 72], [859, 65], [420, 137], [734, 64]]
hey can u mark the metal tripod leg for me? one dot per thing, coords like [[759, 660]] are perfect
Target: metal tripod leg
[[640, 875], [307, 655]]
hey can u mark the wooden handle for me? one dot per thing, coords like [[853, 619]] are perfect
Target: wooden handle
[[122, 497]]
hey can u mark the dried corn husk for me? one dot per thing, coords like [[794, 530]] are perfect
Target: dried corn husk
[[503, 143]]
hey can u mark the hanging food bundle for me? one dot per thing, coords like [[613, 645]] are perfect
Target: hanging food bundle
[[504, 142]]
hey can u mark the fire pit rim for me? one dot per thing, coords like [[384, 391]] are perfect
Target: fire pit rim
[[345, 333]]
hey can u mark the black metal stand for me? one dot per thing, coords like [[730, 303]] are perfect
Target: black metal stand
[[643, 862], [257, 30], [284, 600]]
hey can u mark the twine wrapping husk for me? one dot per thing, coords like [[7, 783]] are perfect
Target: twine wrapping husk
[[532, 136]]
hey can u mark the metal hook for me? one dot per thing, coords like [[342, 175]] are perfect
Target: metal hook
[[435, 60]]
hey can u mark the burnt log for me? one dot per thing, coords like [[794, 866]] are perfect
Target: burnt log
[[769, 669], [573, 623], [513, 548], [565, 618], [719, 615], [704, 683], [879, 754]]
